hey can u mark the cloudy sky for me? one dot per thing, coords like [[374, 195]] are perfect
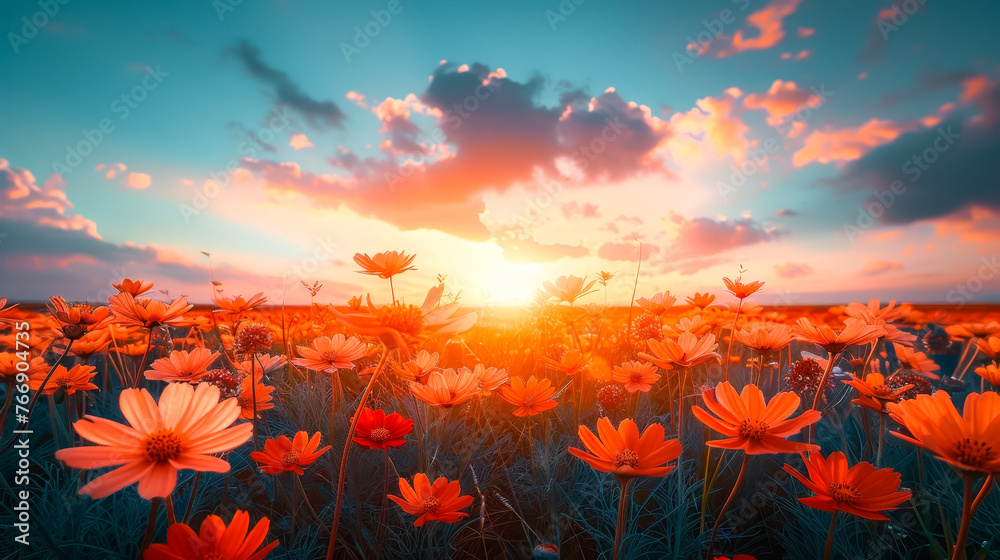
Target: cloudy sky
[[836, 150]]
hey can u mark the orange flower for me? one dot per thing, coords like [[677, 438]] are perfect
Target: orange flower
[[696, 325], [636, 376], [181, 432], [658, 304], [990, 346], [571, 363], [489, 379], [967, 331], [752, 425], [701, 300], [134, 287], [969, 442], [215, 541], [765, 337], [626, 454], [376, 430], [283, 455], [741, 290], [405, 325], [355, 303], [861, 490], [182, 366], [874, 388], [603, 277], [419, 367], [990, 372], [90, 344], [855, 331], [260, 363], [128, 311], [531, 398], [5, 312], [917, 361], [329, 354], [77, 378], [246, 397], [438, 502], [445, 389], [688, 351], [9, 362], [568, 288], [239, 305], [385, 265], [77, 320]]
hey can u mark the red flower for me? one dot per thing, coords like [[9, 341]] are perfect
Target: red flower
[[377, 431]]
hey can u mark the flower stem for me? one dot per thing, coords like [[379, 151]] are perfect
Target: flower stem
[[963, 531], [881, 440], [732, 331], [194, 492], [983, 492], [142, 362], [829, 536], [819, 391], [347, 449], [38, 393], [171, 517], [154, 507], [622, 510], [253, 398], [729, 500]]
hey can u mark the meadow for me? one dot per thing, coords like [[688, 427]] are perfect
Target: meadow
[[410, 426]]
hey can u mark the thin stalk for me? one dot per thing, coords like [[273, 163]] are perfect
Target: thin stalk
[[729, 500], [171, 518], [881, 440], [253, 398], [631, 303], [154, 507], [194, 492], [342, 477], [142, 362], [963, 531], [380, 534], [38, 393], [819, 391], [622, 510], [983, 492], [392, 291], [868, 360], [829, 536], [732, 330]]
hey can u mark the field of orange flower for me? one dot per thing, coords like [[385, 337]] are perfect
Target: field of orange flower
[[399, 425]]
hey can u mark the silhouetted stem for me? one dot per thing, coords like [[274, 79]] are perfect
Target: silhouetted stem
[[729, 348], [38, 393], [154, 506], [819, 391], [347, 449], [729, 500], [963, 531], [622, 510], [829, 536], [194, 492]]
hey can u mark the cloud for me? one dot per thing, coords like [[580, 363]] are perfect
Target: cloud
[[574, 209], [879, 266], [887, 20], [710, 130], [300, 142], [780, 100], [787, 212], [805, 32], [850, 143], [526, 251], [767, 28], [287, 92], [138, 181], [492, 134], [701, 237], [41, 206], [790, 270], [942, 168], [625, 251]]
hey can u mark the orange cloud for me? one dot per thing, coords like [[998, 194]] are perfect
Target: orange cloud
[[713, 122], [300, 141], [792, 270], [138, 181], [847, 144], [879, 266], [780, 100], [768, 23]]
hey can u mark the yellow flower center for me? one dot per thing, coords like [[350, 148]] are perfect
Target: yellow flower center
[[431, 504], [162, 446], [627, 457], [63, 380], [752, 429], [844, 493], [974, 453], [290, 457], [379, 435]]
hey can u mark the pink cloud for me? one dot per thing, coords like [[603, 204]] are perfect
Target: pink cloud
[[21, 199], [700, 237], [521, 251], [767, 24], [300, 141], [138, 181], [847, 144], [879, 266], [790, 270], [714, 124], [805, 32], [625, 251], [780, 100], [574, 209]]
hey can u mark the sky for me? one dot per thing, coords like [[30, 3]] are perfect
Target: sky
[[837, 151]]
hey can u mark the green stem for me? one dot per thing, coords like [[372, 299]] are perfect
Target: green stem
[[729, 500]]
